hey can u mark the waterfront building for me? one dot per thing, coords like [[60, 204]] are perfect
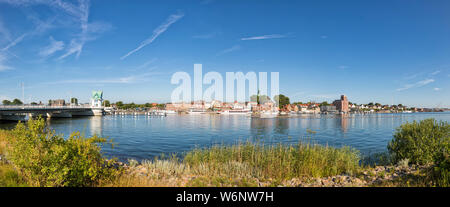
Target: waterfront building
[[197, 105], [251, 105], [303, 108], [181, 106], [328, 109], [221, 106], [59, 102], [342, 104], [238, 106], [314, 108], [269, 106]]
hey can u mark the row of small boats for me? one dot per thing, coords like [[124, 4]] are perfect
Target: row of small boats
[[194, 112]]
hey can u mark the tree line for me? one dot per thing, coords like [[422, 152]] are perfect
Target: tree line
[[14, 102]]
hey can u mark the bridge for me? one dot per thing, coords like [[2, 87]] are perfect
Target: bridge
[[24, 112]]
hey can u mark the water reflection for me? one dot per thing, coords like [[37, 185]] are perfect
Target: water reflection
[[281, 126], [344, 122], [260, 127], [95, 125]]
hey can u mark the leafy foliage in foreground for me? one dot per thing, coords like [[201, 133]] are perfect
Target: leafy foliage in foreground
[[420, 142], [44, 158], [425, 142]]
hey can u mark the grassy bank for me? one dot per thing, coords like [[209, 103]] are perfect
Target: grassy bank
[[277, 161], [33, 155], [245, 164]]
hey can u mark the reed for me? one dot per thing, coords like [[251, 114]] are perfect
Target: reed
[[275, 161], [244, 164]]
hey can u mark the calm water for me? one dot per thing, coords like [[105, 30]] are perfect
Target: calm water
[[142, 137]]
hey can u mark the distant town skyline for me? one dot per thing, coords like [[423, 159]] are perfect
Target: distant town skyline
[[390, 52]]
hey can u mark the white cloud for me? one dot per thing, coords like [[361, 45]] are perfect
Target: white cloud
[[4, 32], [435, 72], [416, 85], [14, 42], [3, 59], [54, 46], [4, 51], [263, 37], [437, 89], [146, 64], [4, 67], [158, 31], [228, 50], [76, 46], [40, 26], [412, 76], [79, 13]]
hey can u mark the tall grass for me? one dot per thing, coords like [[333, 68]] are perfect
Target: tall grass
[[9, 177], [275, 161], [244, 164]]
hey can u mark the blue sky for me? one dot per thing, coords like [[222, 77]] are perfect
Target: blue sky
[[372, 51]]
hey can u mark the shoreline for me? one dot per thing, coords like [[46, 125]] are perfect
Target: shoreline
[[376, 176]]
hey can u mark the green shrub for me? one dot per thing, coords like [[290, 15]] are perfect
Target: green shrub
[[423, 142], [441, 170], [47, 159]]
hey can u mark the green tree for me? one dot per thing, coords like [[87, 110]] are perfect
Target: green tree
[[74, 101], [282, 100], [17, 102], [6, 102], [324, 104], [107, 103]]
